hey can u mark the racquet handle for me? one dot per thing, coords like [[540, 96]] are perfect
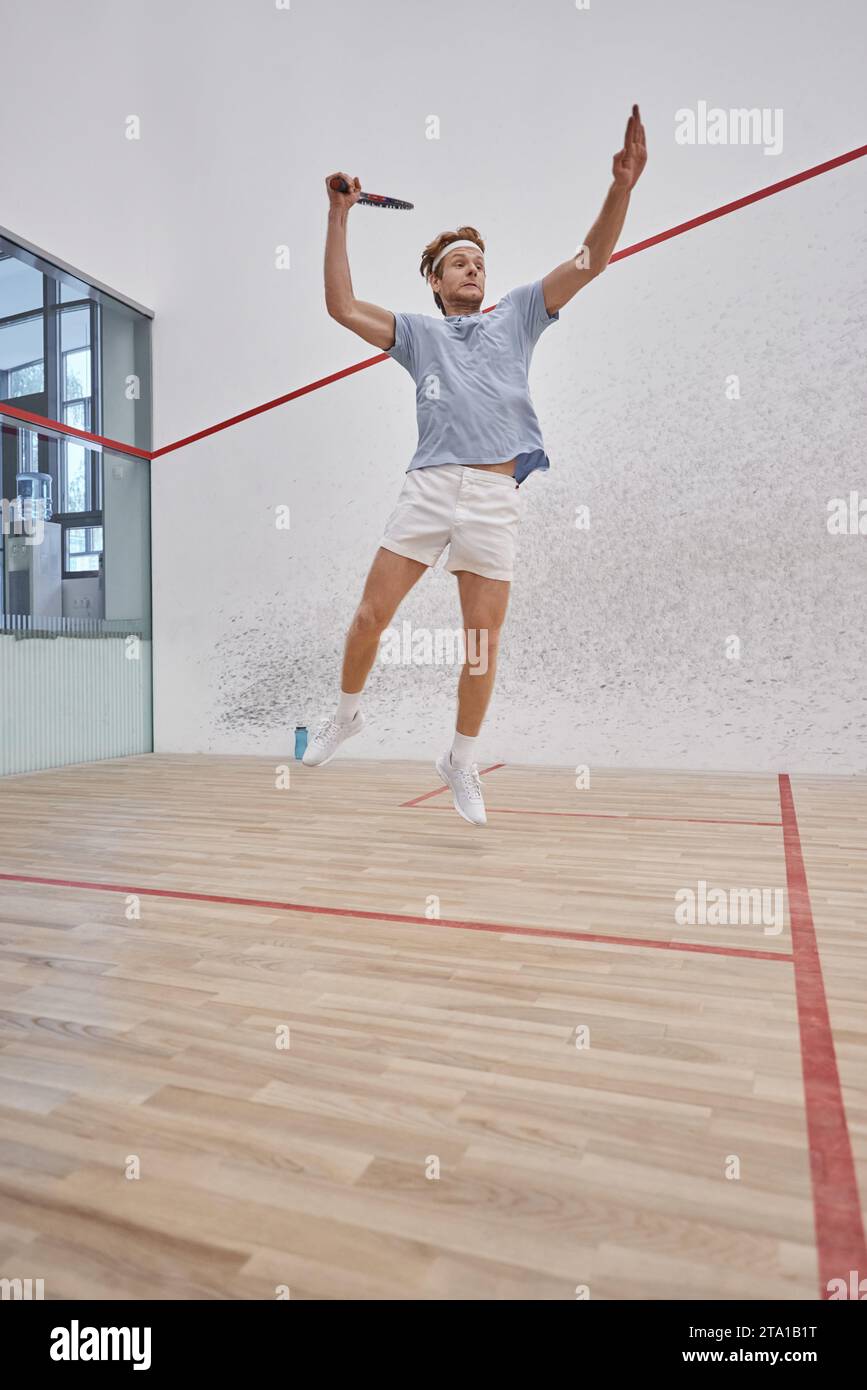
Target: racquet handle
[[376, 200]]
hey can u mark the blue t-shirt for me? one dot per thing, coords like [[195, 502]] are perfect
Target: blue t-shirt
[[472, 394]]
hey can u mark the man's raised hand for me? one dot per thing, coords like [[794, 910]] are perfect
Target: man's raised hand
[[630, 161]]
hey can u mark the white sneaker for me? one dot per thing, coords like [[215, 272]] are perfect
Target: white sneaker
[[466, 789], [328, 738]]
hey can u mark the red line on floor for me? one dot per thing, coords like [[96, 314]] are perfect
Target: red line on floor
[[584, 815], [595, 815], [840, 1238], [437, 791], [499, 928]]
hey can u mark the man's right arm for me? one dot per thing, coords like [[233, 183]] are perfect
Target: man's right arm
[[372, 323]]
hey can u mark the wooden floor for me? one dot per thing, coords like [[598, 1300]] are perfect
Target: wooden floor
[[141, 1012]]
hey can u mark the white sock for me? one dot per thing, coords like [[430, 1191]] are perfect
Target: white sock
[[462, 750], [347, 707]]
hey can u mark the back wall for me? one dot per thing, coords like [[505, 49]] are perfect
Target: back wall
[[702, 399]]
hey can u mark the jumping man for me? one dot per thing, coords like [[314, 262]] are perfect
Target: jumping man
[[478, 440]]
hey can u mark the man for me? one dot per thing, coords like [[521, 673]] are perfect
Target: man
[[479, 438]]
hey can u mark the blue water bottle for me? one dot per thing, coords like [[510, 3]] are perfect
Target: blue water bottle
[[300, 740]]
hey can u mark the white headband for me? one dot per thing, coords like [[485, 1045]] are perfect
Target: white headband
[[452, 246]]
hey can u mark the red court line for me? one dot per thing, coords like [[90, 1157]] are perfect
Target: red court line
[[437, 791], [619, 255], [682, 227], [584, 815], [27, 417], [270, 405], [699, 221], [840, 1238], [499, 928], [599, 815]]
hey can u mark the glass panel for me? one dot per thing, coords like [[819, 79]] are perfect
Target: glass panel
[[76, 381], [74, 494], [83, 547], [126, 518], [22, 348], [28, 451], [125, 366], [74, 328], [88, 576], [74, 289], [21, 353], [26, 381], [20, 287]]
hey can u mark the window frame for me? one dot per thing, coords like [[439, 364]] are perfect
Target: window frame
[[93, 515], [77, 521]]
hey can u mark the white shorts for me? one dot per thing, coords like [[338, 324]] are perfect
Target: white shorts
[[473, 511]]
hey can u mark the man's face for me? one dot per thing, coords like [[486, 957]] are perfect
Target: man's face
[[460, 280]]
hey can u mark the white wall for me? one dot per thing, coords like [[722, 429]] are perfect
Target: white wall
[[708, 515]]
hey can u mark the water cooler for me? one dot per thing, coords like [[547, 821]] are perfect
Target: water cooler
[[33, 562]]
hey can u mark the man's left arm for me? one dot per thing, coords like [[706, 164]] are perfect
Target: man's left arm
[[560, 284]]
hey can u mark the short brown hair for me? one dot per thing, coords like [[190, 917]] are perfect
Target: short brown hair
[[433, 248]]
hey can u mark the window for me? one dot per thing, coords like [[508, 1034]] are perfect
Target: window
[[28, 451], [75, 488], [27, 380], [22, 345], [67, 349], [79, 466], [83, 549]]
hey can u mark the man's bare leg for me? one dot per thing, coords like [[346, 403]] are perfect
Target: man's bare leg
[[390, 578], [389, 581], [483, 606]]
